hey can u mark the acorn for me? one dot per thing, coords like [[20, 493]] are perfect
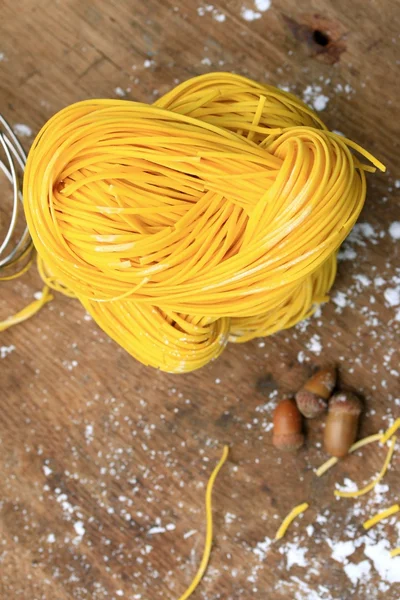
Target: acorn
[[288, 433], [342, 423], [313, 396]]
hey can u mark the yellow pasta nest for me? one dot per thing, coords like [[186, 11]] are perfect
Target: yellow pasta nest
[[213, 215]]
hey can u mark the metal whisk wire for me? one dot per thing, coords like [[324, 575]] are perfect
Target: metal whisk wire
[[11, 249]]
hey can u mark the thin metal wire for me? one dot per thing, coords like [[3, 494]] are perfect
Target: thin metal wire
[[16, 250], [12, 163]]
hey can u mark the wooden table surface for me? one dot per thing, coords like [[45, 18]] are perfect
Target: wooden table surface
[[97, 450]]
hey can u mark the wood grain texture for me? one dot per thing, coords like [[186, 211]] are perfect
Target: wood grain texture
[[92, 441]]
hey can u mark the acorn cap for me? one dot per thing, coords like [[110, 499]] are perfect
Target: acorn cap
[[345, 402], [322, 383], [288, 441], [310, 405]]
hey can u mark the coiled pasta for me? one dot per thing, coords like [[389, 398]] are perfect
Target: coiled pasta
[[214, 215]]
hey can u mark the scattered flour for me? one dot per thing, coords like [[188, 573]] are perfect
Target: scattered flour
[[378, 553], [79, 528], [387, 567], [347, 253], [363, 279], [375, 546], [358, 572], [360, 232], [229, 518], [70, 364], [262, 548], [348, 486], [310, 530], [6, 350], [160, 529], [313, 96], [295, 555], [392, 296], [341, 550], [66, 506], [219, 16], [155, 530], [250, 15], [22, 130], [89, 433], [394, 230], [379, 281], [314, 344], [262, 5], [320, 102], [301, 590], [340, 299]]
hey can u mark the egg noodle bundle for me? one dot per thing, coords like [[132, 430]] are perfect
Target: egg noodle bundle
[[213, 215]]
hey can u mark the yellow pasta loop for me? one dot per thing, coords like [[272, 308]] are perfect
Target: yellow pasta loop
[[19, 266], [380, 516], [213, 215], [390, 431], [395, 552], [372, 484], [331, 462], [209, 532], [295, 512], [28, 311]]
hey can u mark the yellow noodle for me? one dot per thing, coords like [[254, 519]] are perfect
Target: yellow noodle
[[214, 215], [295, 512], [380, 516], [18, 267], [370, 486], [390, 431], [331, 462], [29, 310], [209, 533], [21, 269]]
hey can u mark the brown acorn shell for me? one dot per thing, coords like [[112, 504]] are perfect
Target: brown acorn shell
[[342, 423], [287, 433]]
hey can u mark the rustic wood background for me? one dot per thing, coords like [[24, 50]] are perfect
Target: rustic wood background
[[95, 449]]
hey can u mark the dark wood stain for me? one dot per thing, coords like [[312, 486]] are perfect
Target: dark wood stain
[[324, 38]]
